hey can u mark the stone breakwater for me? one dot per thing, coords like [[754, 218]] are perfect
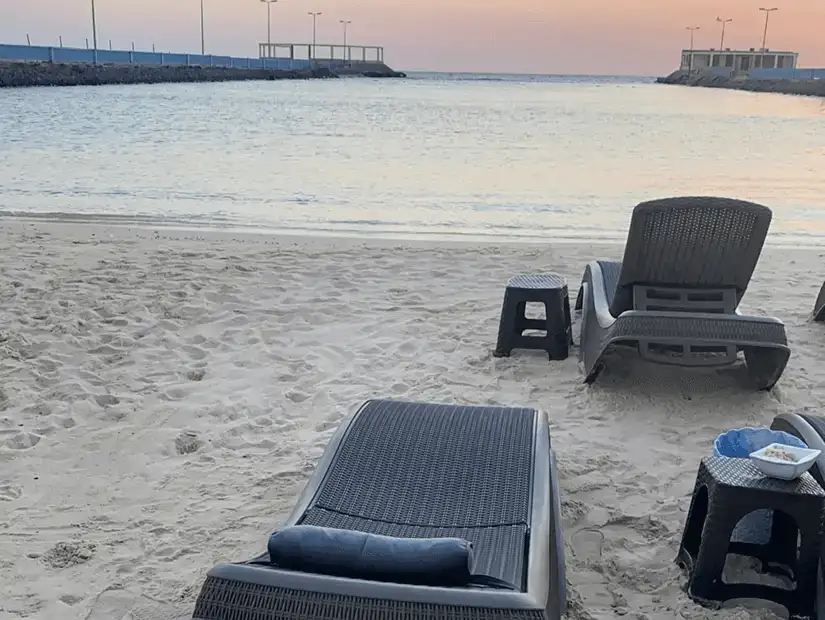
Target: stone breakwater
[[809, 87], [23, 74]]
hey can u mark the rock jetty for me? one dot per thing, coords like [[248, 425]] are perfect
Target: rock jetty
[[23, 74], [800, 86]]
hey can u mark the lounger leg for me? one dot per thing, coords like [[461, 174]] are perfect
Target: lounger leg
[[765, 365], [594, 372], [589, 346]]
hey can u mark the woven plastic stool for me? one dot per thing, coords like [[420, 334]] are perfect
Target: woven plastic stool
[[550, 290], [726, 490]]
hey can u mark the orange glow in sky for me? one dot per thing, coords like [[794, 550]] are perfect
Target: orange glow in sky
[[630, 37]]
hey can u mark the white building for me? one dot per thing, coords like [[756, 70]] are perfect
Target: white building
[[738, 60]]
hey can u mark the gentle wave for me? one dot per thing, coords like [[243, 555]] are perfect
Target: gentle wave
[[375, 229]]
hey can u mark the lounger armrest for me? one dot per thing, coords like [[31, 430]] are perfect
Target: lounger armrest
[[594, 285]]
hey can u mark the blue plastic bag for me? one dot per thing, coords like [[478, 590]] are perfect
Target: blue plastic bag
[[739, 443]]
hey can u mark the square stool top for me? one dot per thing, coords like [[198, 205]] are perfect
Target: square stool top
[[548, 282], [741, 473]]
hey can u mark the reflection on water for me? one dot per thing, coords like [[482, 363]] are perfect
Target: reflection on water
[[514, 157]]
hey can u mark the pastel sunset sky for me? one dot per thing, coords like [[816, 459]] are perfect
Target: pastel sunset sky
[[631, 37]]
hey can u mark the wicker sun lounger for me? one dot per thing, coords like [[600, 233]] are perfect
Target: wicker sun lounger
[[417, 471], [674, 297]]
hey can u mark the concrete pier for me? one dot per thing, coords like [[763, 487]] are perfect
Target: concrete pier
[[26, 74], [23, 74], [29, 65], [785, 86]]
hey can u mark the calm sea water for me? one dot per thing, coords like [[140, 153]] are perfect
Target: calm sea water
[[523, 157]]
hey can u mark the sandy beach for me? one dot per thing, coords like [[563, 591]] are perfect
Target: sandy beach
[[164, 397]]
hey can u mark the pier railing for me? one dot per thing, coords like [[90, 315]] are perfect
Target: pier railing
[[35, 53], [323, 52]]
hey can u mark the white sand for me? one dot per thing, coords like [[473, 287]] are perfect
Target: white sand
[[123, 350]]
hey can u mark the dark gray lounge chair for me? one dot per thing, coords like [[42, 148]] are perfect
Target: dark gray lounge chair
[[686, 266], [417, 470], [819, 305]]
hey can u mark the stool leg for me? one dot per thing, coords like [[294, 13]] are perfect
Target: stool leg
[[782, 545], [806, 573], [507, 326], [710, 561], [558, 332], [694, 524], [522, 322], [806, 576]]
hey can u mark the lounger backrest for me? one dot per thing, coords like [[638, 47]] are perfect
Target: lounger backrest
[[693, 243]]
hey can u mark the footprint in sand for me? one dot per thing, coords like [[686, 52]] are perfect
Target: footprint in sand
[[70, 599], [104, 350], [106, 400], [114, 600], [23, 441], [296, 396], [187, 442], [196, 375], [586, 572], [194, 352], [587, 545], [281, 479], [9, 493], [66, 554], [175, 392]]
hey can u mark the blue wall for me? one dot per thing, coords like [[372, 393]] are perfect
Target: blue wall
[[800, 74], [71, 54], [773, 74]]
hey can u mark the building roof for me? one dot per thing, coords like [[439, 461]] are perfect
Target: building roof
[[731, 51]]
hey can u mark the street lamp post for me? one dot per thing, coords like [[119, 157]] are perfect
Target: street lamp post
[[269, 4], [94, 25], [314, 18], [692, 29], [724, 22], [347, 56], [203, 36], [765, 32]]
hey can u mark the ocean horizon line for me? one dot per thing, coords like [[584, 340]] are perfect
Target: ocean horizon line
[[410, 72]]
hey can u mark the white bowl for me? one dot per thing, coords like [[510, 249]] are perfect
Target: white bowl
[[779, 468]]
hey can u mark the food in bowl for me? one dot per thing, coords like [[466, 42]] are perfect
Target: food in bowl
[[785, 462], [779, 453]]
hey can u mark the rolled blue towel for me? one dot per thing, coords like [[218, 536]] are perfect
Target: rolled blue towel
[[357, 555]]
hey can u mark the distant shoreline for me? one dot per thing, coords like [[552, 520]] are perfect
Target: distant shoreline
[[139, 225], [33, 74], [805, 87]]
